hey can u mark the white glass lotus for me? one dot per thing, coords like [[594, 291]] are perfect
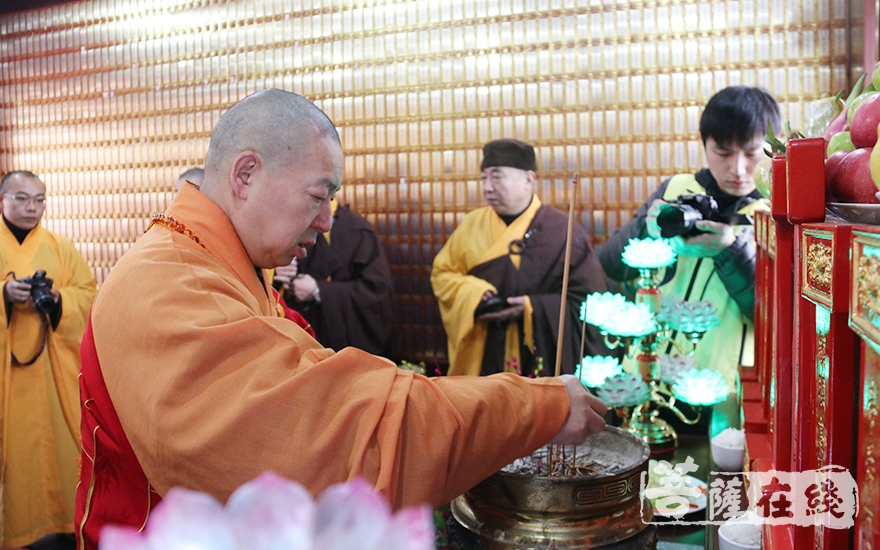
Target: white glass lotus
[[648, 254], [700, 387], [693, 317], [601, 305], [272, 512], [672, 366], [666, 306], [594, 369], [630, 320], [623, 390]]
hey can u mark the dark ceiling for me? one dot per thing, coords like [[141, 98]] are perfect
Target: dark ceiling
[[7, 6]]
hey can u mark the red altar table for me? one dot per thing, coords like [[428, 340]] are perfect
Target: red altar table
[[811, 399]]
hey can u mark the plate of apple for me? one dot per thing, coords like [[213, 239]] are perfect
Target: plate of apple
[[852, 165]]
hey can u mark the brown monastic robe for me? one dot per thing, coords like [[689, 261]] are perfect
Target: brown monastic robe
[[355, 284], [526, 258]]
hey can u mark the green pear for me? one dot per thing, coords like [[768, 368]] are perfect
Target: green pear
[[875, 76], [841, 141], [763, 176], [854, 104]]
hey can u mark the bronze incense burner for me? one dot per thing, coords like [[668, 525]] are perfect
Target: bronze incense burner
[[594, 501]]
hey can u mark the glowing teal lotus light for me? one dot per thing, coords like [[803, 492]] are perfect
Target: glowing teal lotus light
[[693, 317], [630, 320], [600, 306], [666, 306], [648, 254], [700, 387], [594, 369], [673, 366], [623, 390]]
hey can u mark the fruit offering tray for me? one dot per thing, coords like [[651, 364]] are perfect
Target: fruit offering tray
[[863, 213]]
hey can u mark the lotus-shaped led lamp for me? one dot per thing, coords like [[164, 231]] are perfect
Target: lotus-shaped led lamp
[[673, 366], [693, 318], [700, 387], [630, 320], [623, 390], [648, 254], [271, 512], [594, 369], [666, 306], [601, 305]]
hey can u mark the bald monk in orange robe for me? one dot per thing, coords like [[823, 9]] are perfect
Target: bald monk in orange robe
[[190, 378]]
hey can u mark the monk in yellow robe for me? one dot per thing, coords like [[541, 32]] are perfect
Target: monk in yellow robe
[[191, 379], [512, 253], [43, 328]]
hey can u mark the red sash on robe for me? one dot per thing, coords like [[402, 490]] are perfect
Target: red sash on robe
[[293, 314], [109, 468], [113, 488]]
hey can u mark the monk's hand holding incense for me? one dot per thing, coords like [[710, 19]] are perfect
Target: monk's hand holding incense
[[585, 416]]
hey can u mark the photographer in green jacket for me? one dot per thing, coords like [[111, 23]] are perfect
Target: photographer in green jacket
[[716, 255]]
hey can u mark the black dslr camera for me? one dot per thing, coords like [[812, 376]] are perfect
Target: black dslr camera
[[680, 216], [40, 295]]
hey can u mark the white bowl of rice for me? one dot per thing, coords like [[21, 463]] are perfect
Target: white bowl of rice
[[728, 449], [741, 533]]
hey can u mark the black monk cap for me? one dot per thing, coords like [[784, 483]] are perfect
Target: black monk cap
[[509, 152]]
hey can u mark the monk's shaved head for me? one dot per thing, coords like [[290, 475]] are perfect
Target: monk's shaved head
[[273, 165], [272, 123]]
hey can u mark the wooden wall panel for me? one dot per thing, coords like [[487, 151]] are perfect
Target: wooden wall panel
[[109, 100]]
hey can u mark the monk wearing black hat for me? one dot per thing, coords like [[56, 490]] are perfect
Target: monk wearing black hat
[[499, 277]]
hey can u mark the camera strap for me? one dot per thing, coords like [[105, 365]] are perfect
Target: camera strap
[[44, 328]]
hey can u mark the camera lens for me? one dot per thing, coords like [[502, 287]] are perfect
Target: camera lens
[[675, 220], [42, 299]]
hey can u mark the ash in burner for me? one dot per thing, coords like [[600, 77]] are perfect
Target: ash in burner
[[602, 454]]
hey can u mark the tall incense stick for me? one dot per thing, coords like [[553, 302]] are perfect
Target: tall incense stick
[[566, 269]]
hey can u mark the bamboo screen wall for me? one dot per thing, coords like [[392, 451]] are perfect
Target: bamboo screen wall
[[109, 100]]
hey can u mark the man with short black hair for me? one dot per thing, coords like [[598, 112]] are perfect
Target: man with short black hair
[[718, 263], [42, 329], [498, 279]]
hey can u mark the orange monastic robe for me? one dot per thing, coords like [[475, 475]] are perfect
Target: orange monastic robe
[[40, 402], [212, 388]]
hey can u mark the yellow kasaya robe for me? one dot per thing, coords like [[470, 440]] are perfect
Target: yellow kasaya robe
[[481, 237], [212, 388], [525, 258], [41, 415]]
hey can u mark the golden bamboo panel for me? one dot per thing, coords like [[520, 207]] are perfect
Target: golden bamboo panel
[[109, 100]]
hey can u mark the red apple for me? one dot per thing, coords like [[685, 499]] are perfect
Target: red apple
[[851, 181], [831, 165], [836, 125], [866, 117]]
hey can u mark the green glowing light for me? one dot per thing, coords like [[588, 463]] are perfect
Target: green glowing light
[[823, 319], [599, 306], [701, 387], [630, 320], [648, 254], [673, 366], [594, 369], [623, 390], [667, 304], [693, 317]]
